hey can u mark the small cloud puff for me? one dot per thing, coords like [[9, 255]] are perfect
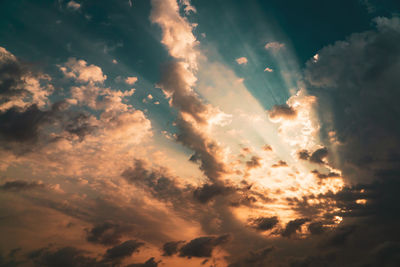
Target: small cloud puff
[[274, 46], [268, 69], [241, 60], [131, 80], [73, 5]]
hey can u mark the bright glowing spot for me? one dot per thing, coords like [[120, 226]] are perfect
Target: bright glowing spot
[[361, 201], [338, 219]]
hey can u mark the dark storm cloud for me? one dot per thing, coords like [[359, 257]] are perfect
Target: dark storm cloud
[[303, 154], [174, 80], [157, 181], [293, 226], [79, 125], [318, 155], [282, 111], [264, 223], [255, 258], [254, 162], [207, 151], [322, 175], [177, 82], [19, 185], [12, 84], [22, 125], [203, 246], [171, 248], [280, 163], [316, 228], [64, 257], [123, 250], [356, 82], [149, 263], [208, 191], [107, 233]]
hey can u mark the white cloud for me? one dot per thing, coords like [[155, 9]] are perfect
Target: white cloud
[[177, 33]]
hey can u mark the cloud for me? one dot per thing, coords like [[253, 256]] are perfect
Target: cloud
[[254, 162], [202, 246], [22, 126], [20, 87], [177, 33], [280, 163], [107, 233], [316, 228], [282, 112], [241, 60], [254, 258], [208, 191], [158, 182], [359, 101], [268, 70], [66, 256], [131, 80], [149, 263], [82, 72], [303, 154], [264, 223], [123, 250], [328, 175], [318, 155], [19, 185], [293, 226], [274, 46], [73, 5], [172, 248]]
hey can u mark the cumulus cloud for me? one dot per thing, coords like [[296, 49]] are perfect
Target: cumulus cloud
[[241, 61], [19, 86], [354, 97], [82, 72], [177, 33], [131, 80]]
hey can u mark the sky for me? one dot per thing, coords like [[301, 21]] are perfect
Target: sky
[[156, 133]]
